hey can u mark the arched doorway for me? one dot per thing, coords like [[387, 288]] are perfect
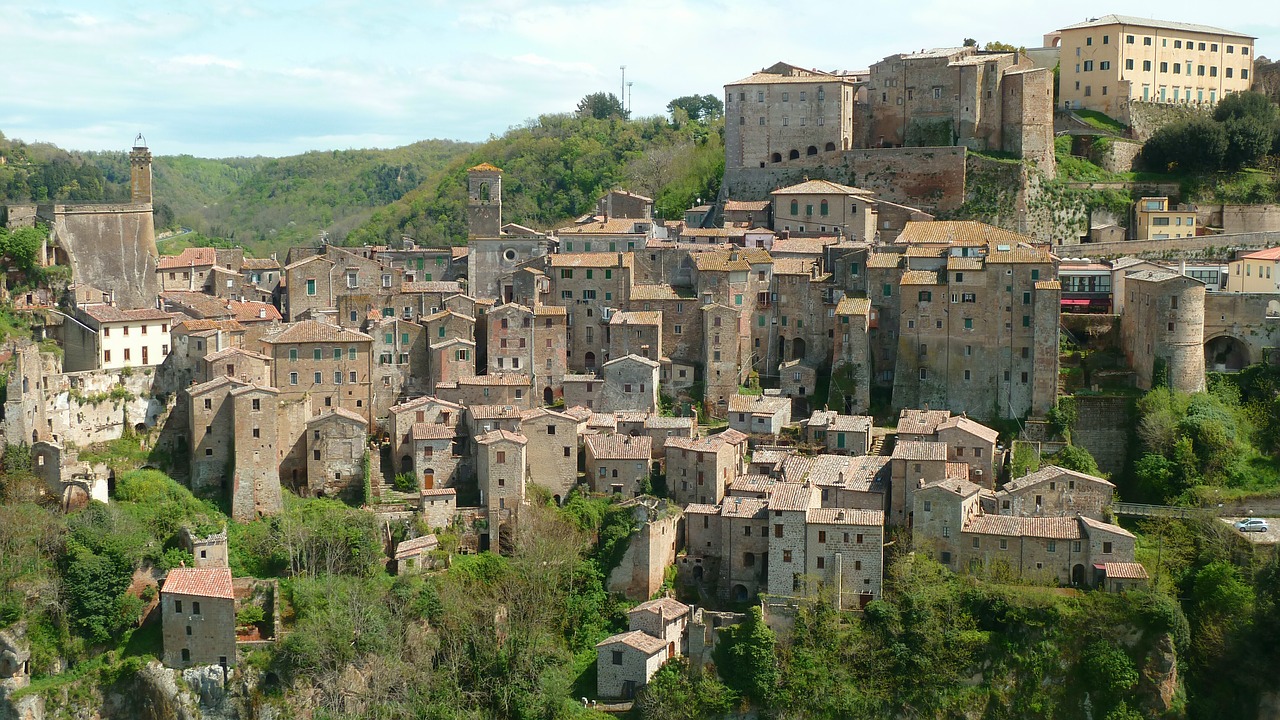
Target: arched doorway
[[831, 147], [739, 593], [429, 479], [794, 155], [797, 349], [1077, 575], [776, 157], [590, 360], [813, 150], [697, 573], [406, 464], [548, 396], [1225, 354]]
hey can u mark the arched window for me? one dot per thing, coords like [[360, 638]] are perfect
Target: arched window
[[795, 154], [484, 192], [831, 146], [795, 207], [813, 150], [748, 559], [823, 210], [777, 157]]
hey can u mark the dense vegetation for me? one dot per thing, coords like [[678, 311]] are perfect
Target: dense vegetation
[[1244, 128]]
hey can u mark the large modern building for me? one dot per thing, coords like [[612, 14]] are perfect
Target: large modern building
[[1109, 61]]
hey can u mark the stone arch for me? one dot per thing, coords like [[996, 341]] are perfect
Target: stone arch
[[797, 349], [484, 192], [812, 150], [429, 479], [1225, 353], [831, 147], [794, 155], [739, 593], [548, 396], [1077, 574], [590, 360], [776, 157], [406, 464]]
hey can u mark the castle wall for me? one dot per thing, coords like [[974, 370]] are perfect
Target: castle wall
[[111, 247]]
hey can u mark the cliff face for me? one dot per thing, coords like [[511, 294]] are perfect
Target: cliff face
[[111, 247]]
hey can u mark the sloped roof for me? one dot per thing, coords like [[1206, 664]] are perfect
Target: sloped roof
[[313, 331], [1125, 571], [113, 314], [921, 422], [846, 516], [920, 450], [337, 412], [416, 546], [1052, 472], [853, 306], [203, 582], [1106, 20], [497, 435], [967, 233], [821, 187], [960, 422], [667, 608], [1105, 527], [188, 257], [1052, 528], [791, 496], [758, 404], [644, 642], [432, 431], [620, 447]]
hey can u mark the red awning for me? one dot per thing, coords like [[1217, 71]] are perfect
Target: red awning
[[1079, 302]]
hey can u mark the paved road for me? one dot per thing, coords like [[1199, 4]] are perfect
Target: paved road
[[1271, 537]]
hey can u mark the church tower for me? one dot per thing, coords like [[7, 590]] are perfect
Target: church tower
[[140, 171], [484, 201]]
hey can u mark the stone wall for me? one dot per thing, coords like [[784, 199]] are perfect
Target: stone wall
[[1117, 156], [650, 552], [1147, 117], [1205, 246], [1102, 427], [111, 247]]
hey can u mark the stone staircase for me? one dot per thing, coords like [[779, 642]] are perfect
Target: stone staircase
[[882, 442]]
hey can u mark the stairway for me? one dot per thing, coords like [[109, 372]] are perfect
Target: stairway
[[882, 442]]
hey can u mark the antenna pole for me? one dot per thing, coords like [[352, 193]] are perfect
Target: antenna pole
[[622, 89]]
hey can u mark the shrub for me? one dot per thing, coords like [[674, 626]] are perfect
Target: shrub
[[1194, 145]]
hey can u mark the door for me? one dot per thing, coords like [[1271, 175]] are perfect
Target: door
[[428, 479], [144, 355]]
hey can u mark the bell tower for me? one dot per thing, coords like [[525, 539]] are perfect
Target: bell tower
[[140, 171], [484, 201]]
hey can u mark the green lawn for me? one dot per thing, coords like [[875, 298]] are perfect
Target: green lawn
[[1101, 121]]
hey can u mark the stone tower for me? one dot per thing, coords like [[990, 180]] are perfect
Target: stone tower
[[484, 201], [140, 167]]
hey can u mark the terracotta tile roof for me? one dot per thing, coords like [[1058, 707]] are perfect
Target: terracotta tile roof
[[1052, 528], [667, 608], [706, 232], [752, 483], [416, 546], [791, 496], [710, 443], [202, 582], [422, 401], [113, 314], [193, 326], [642, 317], [439, 492], [662, 422], [1105, 527], [214, 384], [252, 311], [701, 509], [1048, 285], [260, 264], [485, 167], [744, 507], [720, 261], [920, 277], [1019, 255], [846, 516], [1052, 472], [579, 413], [802, 245], [920, 450], [655, 292], [590, 259], [616, 226], [637, 640], [853, 306], [925, 251], [431, 286], [549, 310], [921, 422], [731, 436], [337, 412], [757, 256], [964, 263], [497, 380], [884, 260], [633, 358], [494, 412], [1142, 22], [314, 331], [794, 266], [821, 187], [956, 486], [620, 447], [225, 353], [1125, 571], [1267, 254], [446, 313], [501, 435], [432, 431], [957, 232], [191, 256], [960, 422], [851, 423], [305, 260], [757, 404], [746, 205], [541, 412]]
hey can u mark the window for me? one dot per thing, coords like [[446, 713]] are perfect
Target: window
[[786, 556], [968, 323], [293, 378], [1146, 66], [195, 606], [1004, 544], [1106, 549], [1052, 546]]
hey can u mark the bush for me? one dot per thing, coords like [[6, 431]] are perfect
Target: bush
[[1074, 457], [250, 615], [405, 482], [1194, 145]]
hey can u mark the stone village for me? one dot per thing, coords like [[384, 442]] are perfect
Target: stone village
[[733, 357]]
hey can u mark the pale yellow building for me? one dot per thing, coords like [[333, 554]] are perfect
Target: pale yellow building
[[1156, 219], [1258, 271], [821, 207], [1108, 61]]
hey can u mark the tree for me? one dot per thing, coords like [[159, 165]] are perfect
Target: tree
[[671, 694], [747, 659], [1193, 145], [1249, 139], [699, 108], [601, 106], [22, 246], [1074, 457], [1245, 104], [997, 46], [970, 42]]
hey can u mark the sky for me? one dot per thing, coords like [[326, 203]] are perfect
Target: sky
[[221, 78]]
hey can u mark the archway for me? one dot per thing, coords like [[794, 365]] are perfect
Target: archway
[[739, 593], [797, 349], [548, 396], [1225, 354], [1077, 575], [590, 360], [831, 147], [697, 573], [813, 150], [782, 349], [794, 155], [776, 157], [406, 464]]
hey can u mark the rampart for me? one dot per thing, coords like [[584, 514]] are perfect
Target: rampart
[[110, 247], [1206, 246]]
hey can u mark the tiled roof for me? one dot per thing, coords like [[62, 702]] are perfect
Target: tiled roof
[[851, 423], [225, 353], [497, 380], [314, 331], [260, 264], [1105, 527], [616, 226], [620, 447], [494, 412], [633, 358], [960, 422], [1048, 285], [925, 251], [439, 492], [884, 260], [416, 546], [752, 483], [431, 286], [701, 509], [590, 259], [964, 263], [337, 412], [670, 423], [251, 311], [1019, 255], [920, 277], [720, 261], [744, 507], [710, 443], [957, 232], [791, 496], [920, 422], [193, 326], [667, 608], [731, 436], [853, 306], [485, 167], [214, 384], [846, 516], [1125, 571], [422, 401], [821, 187], [801, 245], [1052, 528], [756, 404], [644, 642], [203, 582], [920, 450], [548, 310], [706, 232], [579, 413], [431, 431], [113, 314], [496, 435], [794, 266], [1268, 254], [187, 258], [1052, 472], [540, 412], [746, 205], [650, 317], [960, 487], [655, 292], [1106, 20]]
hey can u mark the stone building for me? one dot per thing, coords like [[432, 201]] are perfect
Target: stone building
[[502, 389], [839, 434], [211, 429], [105, 337], [496, 250], [400, 354], [851, 355], [438, 507], [630, 383], [625, 662], [531, 341], [586, 284], [618, 464], [258, 452], [1111, 61], [337, 441], [553, 450], [698, 470], [450, 361], [759, 414], [822, 207], [1162, 328], [915, 464], [1053, 491], [198, 616], [404, 417], [434, 457], [330, 365], [413, 556], [636, 333], [785, 113], [247, 365]]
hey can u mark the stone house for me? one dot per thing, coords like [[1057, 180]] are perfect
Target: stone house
[[336, 444], [844, 552], [839, 434], [584, 391], [434, 460], [630, 383], [532, 341], [698, 470], [189, 269], [822, 207], [759, 414], [481, 419], [920, 425], [728, 545], [660, 427], [552, 451], [625, 662], [797, 379], [207, 551], [1052, 491], [413, 556], [263, 275], [262, 436], [449, 325], [400, 355], [725, 347], [105, 337], [450, 361], [247, 365], [971, 443], [438, 507], [211, 431], [1065, 549], [784, 113], [942, 509], [618, 464], [585, 284], [852, 349], [503, 470], [748, 213], [1122, 576], [636, 333], [502, 389], [330, 365], [915, 463], [406, 415], [198, 617], [1162, 324], [664, 618]]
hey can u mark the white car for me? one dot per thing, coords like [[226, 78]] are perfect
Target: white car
[[1252, 525]]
